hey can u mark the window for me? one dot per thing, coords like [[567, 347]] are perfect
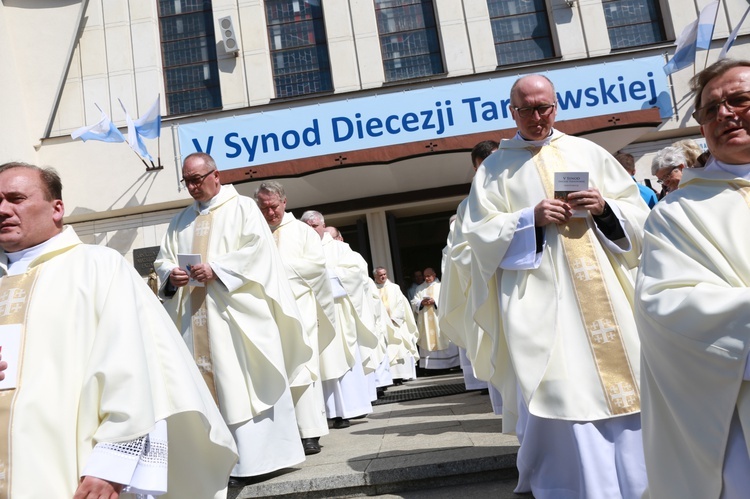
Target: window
[[632, 23], [299, 51], [408, 38], [188, 50], [521, 31]]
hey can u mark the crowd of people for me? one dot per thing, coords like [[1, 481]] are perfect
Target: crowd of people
[[606, 326]]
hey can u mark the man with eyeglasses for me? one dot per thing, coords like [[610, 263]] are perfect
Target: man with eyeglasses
[[237, 314], [667, 167], [554, 294], [693, 306]]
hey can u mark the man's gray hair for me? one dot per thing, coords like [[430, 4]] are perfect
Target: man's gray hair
[[699, 81], [669, 157], [312, 215], [272, 187], [375, 271]]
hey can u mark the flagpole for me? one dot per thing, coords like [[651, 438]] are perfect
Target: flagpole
[[158, 138], [716, 17]]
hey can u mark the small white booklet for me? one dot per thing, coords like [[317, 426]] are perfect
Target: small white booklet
[[10, 348], [186, 261], [567, 182]]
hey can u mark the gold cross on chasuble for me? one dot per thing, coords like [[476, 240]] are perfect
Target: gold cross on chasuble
[[15, 293], [430, 321], [594, 303]]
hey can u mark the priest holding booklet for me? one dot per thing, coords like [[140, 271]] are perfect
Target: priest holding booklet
[[554, 291]]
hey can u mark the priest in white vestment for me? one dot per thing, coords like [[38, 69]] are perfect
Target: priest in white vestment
[[383, 328], [305, 263], [692, 307], [436, 350], [342, 367], [100, 396], [237, 315], [552, 286], [455, 318], [402, 348]]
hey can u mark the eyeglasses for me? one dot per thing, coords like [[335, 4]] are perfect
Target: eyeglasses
[[196, 181], [528, 112], [735, 102], [667, 176]]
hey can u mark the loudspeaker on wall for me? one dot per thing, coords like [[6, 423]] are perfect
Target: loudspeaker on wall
[[228, 36]]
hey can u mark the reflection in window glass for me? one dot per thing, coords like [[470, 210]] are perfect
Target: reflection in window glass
[[521, 31], [188, 48], [299, 51], [633, 23], [409, 39]]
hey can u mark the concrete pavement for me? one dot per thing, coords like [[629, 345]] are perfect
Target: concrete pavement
[[449, 439]]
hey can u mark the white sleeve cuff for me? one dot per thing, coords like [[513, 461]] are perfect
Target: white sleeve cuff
[[521, 254], [336, 287], [139, 464], [622, 245]]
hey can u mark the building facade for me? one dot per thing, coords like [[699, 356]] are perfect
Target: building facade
[[364, 109]]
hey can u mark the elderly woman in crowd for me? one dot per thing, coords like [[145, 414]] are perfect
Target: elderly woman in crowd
[[667, 167]]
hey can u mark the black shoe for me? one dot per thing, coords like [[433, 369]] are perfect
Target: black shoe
[[311, 445], [340, 423]]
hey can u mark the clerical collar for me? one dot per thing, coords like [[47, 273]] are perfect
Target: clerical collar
[[742, 171], [205, 207], [18, 261], [538, 143]]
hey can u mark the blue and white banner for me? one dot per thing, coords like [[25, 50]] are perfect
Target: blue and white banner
[[421, 114]]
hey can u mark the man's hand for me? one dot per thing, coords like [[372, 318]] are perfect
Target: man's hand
[[427, 302], [552, 211], [178, 277], [202, 272], [96, 488], [590, 199]]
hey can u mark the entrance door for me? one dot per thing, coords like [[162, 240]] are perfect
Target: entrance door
[[420, 241]]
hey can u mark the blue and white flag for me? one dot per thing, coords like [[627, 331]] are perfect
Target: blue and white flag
[[696, 34], [149, 125], [134, 139], [733, 36], [104, 131]]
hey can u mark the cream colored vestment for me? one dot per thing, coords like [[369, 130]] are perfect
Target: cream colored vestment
[[693, 316], [543, 327], [102, 362]]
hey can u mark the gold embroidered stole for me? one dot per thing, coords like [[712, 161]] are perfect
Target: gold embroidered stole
[[384, 299], [15, 293], [743, 191], [594, 303], [199, 313], [430, 321]]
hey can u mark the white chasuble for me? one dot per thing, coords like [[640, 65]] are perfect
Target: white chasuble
[[256, 340], [305, 264], [354, 318], [693, 311], [550, 332], [101, 362]]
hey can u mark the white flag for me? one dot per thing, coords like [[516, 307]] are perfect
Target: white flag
[[104, 130], [733, 36]]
